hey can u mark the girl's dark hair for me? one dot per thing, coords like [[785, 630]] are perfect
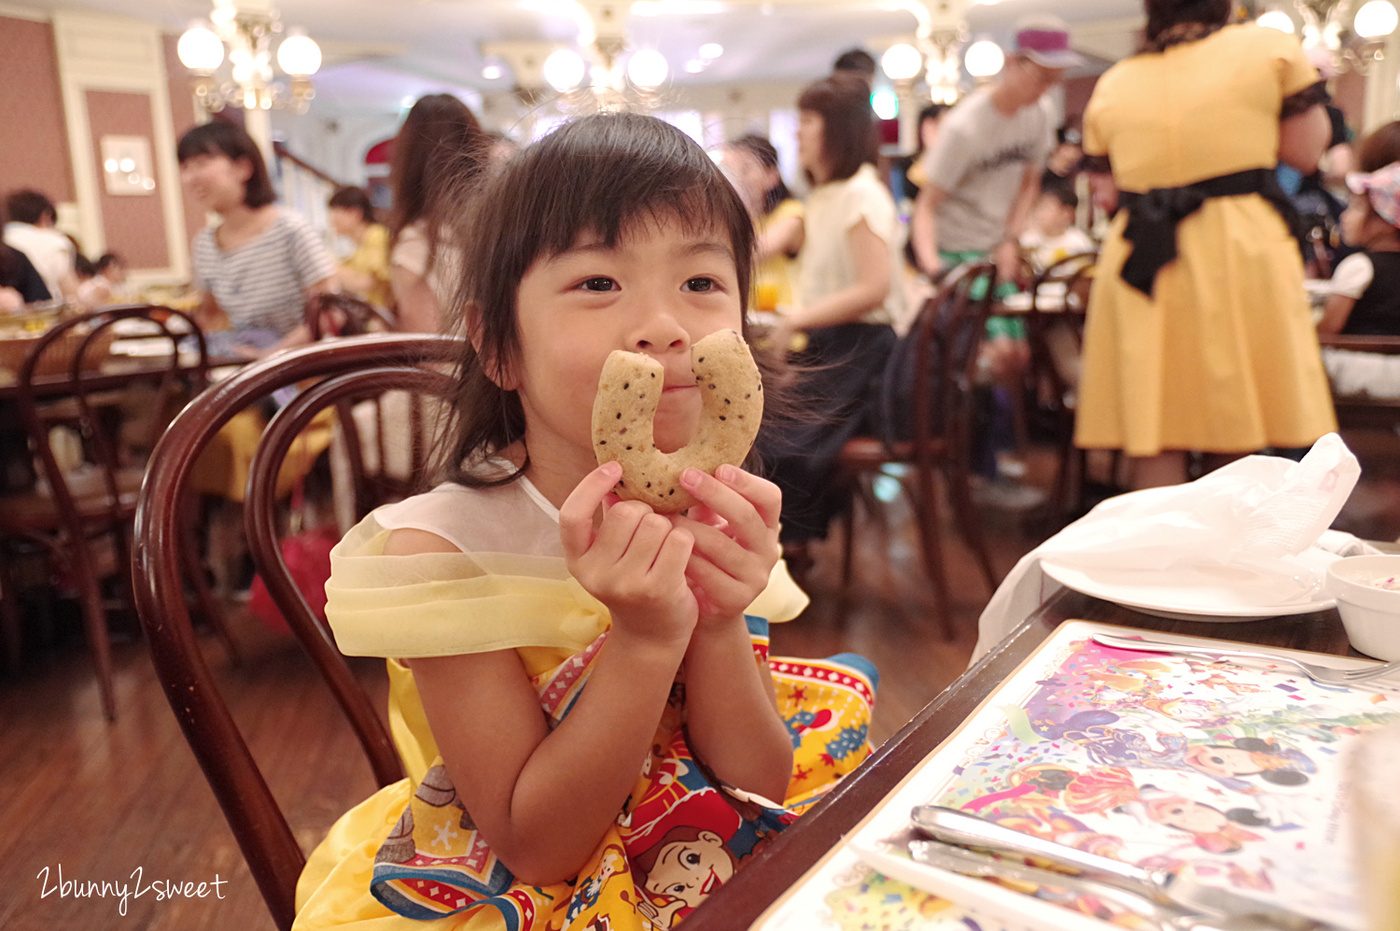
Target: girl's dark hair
[[440, 144], [1173, 21], [1381, 147], [848, 123], [607, 175], [767, 156], [353, 198], [220, 137]]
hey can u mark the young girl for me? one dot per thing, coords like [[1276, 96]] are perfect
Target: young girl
[[751, 163], [578, 685]]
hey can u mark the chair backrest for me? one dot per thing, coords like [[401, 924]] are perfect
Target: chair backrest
[[62, 383], [339, 369], [1070, 279], [335, 313], [927, 385]]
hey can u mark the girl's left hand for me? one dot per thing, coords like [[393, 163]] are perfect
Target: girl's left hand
[[735, 526]]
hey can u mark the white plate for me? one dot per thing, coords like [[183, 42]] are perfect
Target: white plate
[[1204, 592]]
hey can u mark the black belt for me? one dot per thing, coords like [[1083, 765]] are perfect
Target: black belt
[[1153, 217]]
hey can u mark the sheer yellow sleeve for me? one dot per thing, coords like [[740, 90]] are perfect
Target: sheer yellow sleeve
[[446, 604]]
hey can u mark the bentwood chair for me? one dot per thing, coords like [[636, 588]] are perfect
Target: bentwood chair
[[383, 440], [928, 425], [329, 372], [90, 459], [335, 313], [1056, 336]]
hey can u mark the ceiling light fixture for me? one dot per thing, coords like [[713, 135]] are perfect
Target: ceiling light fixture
[[245, 37], [1354, 42], [983, 59]]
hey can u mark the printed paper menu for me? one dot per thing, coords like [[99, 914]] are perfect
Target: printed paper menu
[[1177, 762]]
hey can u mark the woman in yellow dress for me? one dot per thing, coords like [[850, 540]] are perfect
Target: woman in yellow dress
[[366, 271], [1198, 334]]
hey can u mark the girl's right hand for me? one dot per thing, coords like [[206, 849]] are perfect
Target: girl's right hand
[[633, 561]]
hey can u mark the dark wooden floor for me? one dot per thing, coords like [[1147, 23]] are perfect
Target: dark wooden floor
[[102, 801]]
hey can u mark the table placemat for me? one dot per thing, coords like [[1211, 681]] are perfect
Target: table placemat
[[1233, 771]]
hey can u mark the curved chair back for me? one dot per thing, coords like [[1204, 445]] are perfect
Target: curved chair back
[[341, 370], [335, 313], [59, 383], [62, 384]]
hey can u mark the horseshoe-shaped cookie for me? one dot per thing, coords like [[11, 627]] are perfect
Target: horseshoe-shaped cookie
[[731, 398]]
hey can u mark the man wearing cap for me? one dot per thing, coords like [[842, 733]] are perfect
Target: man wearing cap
[[983, 179], [984, 171]]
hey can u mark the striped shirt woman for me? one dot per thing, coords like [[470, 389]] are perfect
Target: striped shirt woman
[[263, 284]]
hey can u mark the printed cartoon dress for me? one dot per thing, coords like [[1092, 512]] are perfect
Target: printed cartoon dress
[[409, 857]]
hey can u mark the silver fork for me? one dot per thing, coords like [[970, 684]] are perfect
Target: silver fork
[[1327, 674]]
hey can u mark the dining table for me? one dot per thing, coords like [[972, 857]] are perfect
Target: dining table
[[752, 890]]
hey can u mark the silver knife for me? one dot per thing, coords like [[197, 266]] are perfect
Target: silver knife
[[970, 863], [1182, 892]]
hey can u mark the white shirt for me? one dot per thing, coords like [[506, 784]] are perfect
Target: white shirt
[[49, 250], [828, 266], [1353, 275]]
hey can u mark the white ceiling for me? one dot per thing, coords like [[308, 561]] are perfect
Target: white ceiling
[[379, 52]]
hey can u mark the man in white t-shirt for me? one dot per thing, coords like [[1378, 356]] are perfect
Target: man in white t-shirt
[[30, 229], [984, 170]]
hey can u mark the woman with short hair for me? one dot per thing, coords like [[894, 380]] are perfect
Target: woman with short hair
[[262, 262], [848, 294]]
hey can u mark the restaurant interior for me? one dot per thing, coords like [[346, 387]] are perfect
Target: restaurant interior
[[100, 781]]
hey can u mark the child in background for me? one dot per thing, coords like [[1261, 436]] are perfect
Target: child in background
[[1365, 298], [107, 284], [751, 164], [580, 686], [1052, 235]]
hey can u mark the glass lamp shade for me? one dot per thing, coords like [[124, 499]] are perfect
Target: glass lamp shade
[[1277, 19], [299, 56], [200, 49], [564, 69], [647, 68], [1376, 19], [901, 62], [984, 58]]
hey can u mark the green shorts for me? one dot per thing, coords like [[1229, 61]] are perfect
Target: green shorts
[[997, 327]]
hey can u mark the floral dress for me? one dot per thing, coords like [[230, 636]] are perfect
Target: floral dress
[[410, 856]]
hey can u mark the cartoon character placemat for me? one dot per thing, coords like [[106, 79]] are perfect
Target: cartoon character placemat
[[1233, 771]]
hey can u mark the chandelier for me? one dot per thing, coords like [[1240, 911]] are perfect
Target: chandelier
[[1354, 42], [242, 31], [945, 53]]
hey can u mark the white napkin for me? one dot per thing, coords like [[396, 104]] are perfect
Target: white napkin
[[1258, 511]]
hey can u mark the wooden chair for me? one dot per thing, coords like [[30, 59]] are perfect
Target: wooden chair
[[337, 370], [70, 511], [1066, 283], [366, 458], [1364, 410], [947, 334], [335, 313]]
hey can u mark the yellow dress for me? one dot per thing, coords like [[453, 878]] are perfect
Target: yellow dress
[[409, 857], [1223, 358], [774, 275], [371, 257]]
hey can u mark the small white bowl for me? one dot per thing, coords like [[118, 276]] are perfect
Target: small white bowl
[[1370, 613]]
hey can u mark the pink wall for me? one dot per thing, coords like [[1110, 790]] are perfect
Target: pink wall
[[1077, 92], [33, 136], [133, 225]]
